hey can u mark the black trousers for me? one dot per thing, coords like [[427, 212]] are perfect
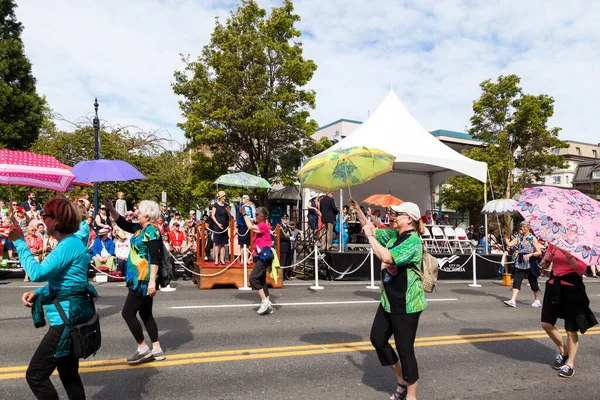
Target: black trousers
[[258, 276], [404, 329], [43, 363], [286, 260], [519, 274], [135, 303]]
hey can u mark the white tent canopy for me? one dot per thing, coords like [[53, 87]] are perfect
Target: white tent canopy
[[422, 161]]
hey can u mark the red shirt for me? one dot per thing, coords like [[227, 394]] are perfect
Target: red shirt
[[561, 266], [34, 242], [176, 238], [427, 221]]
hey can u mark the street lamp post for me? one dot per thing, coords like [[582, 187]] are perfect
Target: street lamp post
[[96, 124]]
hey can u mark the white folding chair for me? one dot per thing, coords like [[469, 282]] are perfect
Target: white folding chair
[[463, 239], [439, 239], [452, 239], [428, 241]]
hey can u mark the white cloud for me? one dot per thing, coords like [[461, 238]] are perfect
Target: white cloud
[[434, 53]]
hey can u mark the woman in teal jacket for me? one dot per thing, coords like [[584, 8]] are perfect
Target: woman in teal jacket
[[65, 270]]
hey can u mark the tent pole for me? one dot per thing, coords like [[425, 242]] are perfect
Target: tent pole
[[485, 219]]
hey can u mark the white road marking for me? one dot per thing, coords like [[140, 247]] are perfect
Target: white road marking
[[316, 303]]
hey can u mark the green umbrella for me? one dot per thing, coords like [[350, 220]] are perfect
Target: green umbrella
[[242, 179], [338, 169]]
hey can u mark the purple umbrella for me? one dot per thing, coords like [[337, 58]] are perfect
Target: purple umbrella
[[105, 171]]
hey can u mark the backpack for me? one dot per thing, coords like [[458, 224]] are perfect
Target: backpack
[[429, 275], [165, 267]]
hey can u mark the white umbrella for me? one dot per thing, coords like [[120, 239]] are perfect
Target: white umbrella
[[500, 207]]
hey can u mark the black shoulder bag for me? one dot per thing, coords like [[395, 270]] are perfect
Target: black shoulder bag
[[86, 337]]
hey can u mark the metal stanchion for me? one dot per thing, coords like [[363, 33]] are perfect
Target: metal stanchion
[[316, 285], [245, 287], [372, 285], [474, 284]]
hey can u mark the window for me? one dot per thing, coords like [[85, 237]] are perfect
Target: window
[[556, 151], [556, 180], [566, 179], [595, 153], [578, 150], [596, 174]]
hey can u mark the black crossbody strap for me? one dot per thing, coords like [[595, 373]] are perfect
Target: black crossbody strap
[[60, 310]]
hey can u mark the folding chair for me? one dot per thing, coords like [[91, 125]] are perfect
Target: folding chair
[[428, 242], [452, 239], [439, 240], [463, 239]]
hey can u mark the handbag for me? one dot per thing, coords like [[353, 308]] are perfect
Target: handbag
[[265, 254], [86, 336]]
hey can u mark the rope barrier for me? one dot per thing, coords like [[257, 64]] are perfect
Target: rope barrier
[[218, 233], [322, 258], [207, 275], [495, 262], [299, 262], [107, 274], [245, 234]]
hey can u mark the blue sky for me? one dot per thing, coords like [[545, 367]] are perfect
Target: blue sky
[[434, 53]]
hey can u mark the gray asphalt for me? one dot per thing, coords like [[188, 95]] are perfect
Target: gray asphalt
[[509, 369]]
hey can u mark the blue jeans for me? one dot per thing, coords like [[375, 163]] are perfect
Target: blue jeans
[[313, 220]]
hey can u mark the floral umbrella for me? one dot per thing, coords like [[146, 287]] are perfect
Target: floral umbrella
[[242, 179], [338, 169], [566, 218]]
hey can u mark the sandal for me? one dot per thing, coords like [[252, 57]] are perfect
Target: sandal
[[400, 395]]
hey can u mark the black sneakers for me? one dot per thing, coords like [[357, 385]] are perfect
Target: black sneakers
[[559, 361], [566, 372]]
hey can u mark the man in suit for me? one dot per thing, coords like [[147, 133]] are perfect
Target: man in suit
[[328, 213], [285, 247]]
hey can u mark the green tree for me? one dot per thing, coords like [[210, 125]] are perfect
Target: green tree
[[165, 170], [513, 127], [21, 108], [243, 96]]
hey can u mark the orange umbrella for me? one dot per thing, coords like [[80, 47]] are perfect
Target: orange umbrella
[[383, 200]]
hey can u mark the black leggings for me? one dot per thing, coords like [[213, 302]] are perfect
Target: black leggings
[[135, 303], [404, 329], [43, 363], [258, 276], [519, 274]]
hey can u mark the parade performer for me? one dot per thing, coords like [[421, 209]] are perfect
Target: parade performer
[[65, 270], [402, 298], [142, 268]]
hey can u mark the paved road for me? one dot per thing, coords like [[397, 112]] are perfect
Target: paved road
[[315, 346]]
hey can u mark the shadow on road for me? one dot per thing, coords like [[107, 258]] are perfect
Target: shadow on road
[[369, 294], [129, 384], [528, 350], [374, 375], [179, 332], [472, 292]]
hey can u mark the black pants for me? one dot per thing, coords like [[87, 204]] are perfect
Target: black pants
[[286, 260], [258, 276], [404, 329], [43, 363], [135, 303], [519, 274]]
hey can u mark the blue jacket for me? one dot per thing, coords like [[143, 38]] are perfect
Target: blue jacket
[[65, 267], [97, 246]]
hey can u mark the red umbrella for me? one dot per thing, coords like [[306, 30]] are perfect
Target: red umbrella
[[383, 200], [33, 170]]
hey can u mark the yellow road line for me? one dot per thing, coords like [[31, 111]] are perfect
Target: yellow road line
[[288, 351]]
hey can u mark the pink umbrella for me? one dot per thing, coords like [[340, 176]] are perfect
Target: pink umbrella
[[566, 218], [30, 169]]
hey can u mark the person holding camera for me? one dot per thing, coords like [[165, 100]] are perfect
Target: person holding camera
[[65, 270]]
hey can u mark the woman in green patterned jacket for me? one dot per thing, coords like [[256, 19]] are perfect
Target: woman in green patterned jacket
[[402, 298]]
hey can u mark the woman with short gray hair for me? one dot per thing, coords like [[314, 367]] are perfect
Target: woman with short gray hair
[[140, 278]]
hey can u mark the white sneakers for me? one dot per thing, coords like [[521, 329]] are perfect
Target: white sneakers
[[265, 308], [510, 303]]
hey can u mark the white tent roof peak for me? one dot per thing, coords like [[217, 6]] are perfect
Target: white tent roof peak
[[391, 128]]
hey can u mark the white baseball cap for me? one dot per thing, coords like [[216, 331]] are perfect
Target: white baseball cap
[[411, 209]]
